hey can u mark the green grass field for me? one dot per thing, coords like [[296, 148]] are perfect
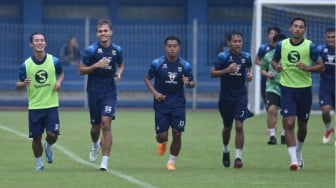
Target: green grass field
[[135, 163]]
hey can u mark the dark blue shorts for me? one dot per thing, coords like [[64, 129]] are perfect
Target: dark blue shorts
[[44, 119], [296, 102], [232, 109], [101, 105], [327, 93], [175, 118]]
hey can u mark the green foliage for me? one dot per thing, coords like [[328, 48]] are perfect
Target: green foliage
[[135, 163]]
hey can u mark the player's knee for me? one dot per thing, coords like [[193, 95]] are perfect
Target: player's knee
[[161, 138]]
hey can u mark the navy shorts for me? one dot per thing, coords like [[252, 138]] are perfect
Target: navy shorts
[[175, 118], [327, 93], [43, 119], [296, 102], [101, 105], [272, 99], [232, 109]]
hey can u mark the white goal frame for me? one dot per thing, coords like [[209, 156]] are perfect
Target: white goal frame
[[256, 40]]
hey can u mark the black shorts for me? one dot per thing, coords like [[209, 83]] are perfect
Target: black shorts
[[272, 99]]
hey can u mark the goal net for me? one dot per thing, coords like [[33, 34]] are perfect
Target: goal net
[[319, 15]]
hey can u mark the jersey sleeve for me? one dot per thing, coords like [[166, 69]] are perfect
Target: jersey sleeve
[[220, 62], [188, 71], [277, 52], [22, 72], [314, 52], [87, 55], [120, 55], [58, 65], [152, 69]]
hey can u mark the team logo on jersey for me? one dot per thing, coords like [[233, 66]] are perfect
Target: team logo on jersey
[[179, 69], [293, 56], [114, 52], [41, 77], [99, 50], [172, 76], [325, 50], [331, 59], [243, 60], [230, 59], [164, 66]]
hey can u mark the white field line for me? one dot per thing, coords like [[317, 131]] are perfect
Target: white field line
[[78, 159]]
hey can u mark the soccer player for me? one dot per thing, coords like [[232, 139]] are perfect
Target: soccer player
[[234, 68], [272, 92], [263, 49], [295, 58], [171, 74], [103, 63], [42, 76], [327, 81]]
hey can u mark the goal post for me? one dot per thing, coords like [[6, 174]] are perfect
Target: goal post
[[266, 13]]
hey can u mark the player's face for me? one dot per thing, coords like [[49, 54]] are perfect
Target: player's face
[[236, 43], [330, 38], [298, 29], [104, 33], [271, 35], [38, 43], [172, 48]]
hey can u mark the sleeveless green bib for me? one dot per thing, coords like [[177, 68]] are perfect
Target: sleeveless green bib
[[291, 76], [43, 78]]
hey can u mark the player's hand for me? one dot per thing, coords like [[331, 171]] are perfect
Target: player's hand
[[57, 87], [233, 68], [117, 77], [103, 62], [249, 76], [270, 76], [301, 66], [159, 97], [185, 80], [26, 82]]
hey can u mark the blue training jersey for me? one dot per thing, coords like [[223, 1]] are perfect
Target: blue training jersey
[[101, 80], [328, 57], [22, 70], [233, 84], [168, 80], [263, 49]]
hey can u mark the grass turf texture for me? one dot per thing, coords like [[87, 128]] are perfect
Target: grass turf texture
[[134, 155]]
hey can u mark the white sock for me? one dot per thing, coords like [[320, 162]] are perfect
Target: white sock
[[239, 153], [271, 131], [172, 158], [226, 149], [39, 161], [328, 126], [292, 154], [105, 160]]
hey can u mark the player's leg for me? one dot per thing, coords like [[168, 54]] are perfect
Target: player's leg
[[107, 111], [327, 99], [273, 101], [178, 120], [52, 130], [226, 113], [95, 120], [161, 128], [288, 111], [35, 132]]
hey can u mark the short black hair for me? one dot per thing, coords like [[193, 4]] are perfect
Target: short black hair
[[172, 37], [275, 28], [36, 33], [232, 33], [298, 18], [330, 29], [103, 21], [279, 37]]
